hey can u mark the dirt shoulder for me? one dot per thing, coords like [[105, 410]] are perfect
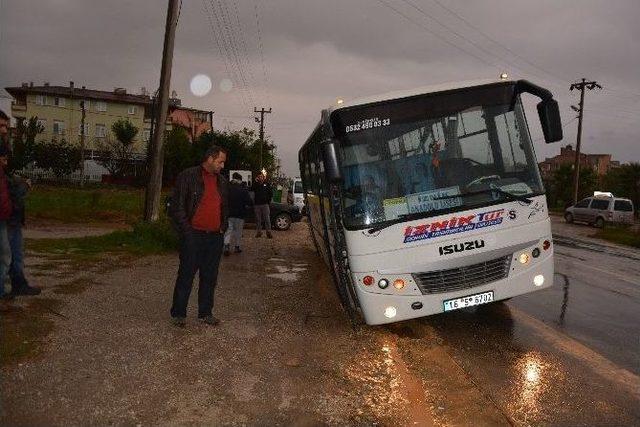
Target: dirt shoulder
[[284, 353]]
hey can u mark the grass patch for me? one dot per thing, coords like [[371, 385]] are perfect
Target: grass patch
[[620, 234], [143, 239], [68, 204]]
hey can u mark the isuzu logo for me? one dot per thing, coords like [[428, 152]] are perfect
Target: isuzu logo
[[461, 247]]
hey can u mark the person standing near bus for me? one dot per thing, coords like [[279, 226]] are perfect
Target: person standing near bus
[[263, 193], [199, 209], [239, 200], [6, 208]]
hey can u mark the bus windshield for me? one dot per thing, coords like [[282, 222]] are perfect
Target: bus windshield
[[407, 160]]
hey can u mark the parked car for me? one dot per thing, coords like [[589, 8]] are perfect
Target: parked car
[[298, 194], [282, 215], [601, 209]]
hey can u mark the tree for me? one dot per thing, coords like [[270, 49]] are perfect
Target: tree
[[117, 154], [60, 156], [24, 144], [624, 181], [178, 154], [560, 191], [243, 148]]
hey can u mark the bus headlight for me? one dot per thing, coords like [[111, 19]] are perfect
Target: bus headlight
[[538, 280], [523, 258], [383, 283], [398, 284], [390, 312]]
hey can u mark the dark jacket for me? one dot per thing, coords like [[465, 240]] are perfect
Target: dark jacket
[[262, 193], [186, 197], [239, 200], [18, 189]]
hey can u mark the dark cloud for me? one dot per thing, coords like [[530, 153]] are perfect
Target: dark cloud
[[315, 52]]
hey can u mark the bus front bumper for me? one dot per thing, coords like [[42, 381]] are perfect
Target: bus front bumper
[[378, 309]]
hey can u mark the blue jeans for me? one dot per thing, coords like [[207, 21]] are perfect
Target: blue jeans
[[16, 270], [5, 255]]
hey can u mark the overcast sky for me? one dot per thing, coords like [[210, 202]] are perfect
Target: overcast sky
[[299, 56]]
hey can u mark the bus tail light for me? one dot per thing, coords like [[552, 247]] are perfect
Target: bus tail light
[[383, 283], [367, 280], [546, 245], [523, 258]]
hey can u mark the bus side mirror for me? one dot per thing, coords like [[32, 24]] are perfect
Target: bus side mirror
[[549, 114], [330, 158]]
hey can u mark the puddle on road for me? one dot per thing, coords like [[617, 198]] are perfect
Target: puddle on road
[[286, 273]]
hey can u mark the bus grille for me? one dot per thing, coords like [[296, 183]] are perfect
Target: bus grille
[[455, 279]]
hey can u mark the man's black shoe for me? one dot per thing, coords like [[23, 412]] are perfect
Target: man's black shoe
[[26, 290], [209, 320], [238, 250], [269, 236], [180, 322]]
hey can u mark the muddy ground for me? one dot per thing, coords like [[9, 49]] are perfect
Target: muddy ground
[[103, 352]]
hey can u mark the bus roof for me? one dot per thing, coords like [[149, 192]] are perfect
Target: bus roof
[[399, 94]]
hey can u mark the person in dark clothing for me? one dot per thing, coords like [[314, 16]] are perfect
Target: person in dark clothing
[[239, 201], [6, 207], [200, 211], [18, 188], [262, 198]]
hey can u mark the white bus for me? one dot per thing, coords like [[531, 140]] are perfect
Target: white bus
[[430, 200]]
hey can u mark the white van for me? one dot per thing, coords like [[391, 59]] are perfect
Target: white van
[[601, 208], [298, 194]]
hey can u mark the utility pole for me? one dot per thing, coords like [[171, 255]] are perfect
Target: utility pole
[[154, 186], [82, 143], [260, 120], [576, 165]]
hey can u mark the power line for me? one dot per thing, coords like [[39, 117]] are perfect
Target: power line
[[430, 31], [261, 50], [510, 51], [229, 46], [215, 38], [461, 36], [232, 37]]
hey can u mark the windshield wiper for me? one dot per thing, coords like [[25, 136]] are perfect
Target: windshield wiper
[[506, 194]]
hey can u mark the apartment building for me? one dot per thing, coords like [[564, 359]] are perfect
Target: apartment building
[[600, 163], [59, 111]]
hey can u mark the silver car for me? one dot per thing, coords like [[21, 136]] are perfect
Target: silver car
[[600, 210]]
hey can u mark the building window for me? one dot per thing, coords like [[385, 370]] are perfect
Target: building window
[[101, 131], [146, 135], [41, 100], [58, 102], [58, 127], [43, 123], [86, 129], [132, 109], [101, 106]]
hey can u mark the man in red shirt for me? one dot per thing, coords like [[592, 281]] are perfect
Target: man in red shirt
[[6, 208], [199, 209]]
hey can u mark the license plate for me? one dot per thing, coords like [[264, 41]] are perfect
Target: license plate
[[468, 301]]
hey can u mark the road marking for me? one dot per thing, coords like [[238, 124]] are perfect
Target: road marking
[[599, 364], [613, 273]]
